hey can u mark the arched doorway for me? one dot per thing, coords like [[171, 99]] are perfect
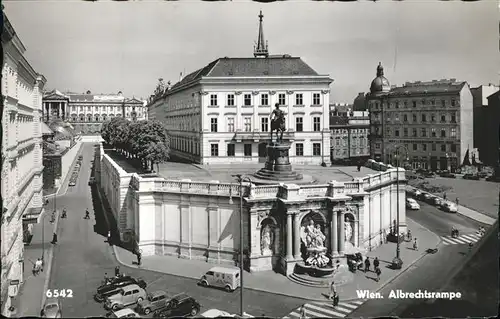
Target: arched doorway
[[262, 152]]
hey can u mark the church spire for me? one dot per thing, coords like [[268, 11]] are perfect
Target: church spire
[[261, 49]]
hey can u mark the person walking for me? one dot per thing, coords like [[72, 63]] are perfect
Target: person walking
[[378, 272], [415, 246], [444, 195], [367, 264], [54, 239], [64, 213], [332, 290], [87, 214], [117, 271], [53, 216], [335, 299], [139, 257], [109, 237], [302, 312], [376, 263]]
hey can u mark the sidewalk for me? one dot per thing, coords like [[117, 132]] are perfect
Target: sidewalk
[[272, 282], [467, 212], [29, 299]]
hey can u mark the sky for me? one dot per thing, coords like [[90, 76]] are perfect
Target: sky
[[106, 47]]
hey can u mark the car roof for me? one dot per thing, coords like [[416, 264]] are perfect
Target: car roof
[[123, 312], [181, 296], [225, 270], [131, 287], [158, 293], [51, 300], [212, 313]]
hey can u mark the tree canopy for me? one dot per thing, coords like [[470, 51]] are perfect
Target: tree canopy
[[147, 141]]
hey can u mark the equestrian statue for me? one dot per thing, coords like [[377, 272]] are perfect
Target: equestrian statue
[[277, 123]]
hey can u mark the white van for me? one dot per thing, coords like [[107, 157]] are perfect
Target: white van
[[221, 277]]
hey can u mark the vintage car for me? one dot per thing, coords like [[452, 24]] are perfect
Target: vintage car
[[52, 308], [154, 302], [123, 313], [124, 297], [412, 204], [179, 306], [116, 284]]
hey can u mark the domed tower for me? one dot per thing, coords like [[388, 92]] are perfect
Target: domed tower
[[380, 84]]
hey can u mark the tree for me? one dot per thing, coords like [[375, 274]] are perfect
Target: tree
[[106, 132], [153, 144]]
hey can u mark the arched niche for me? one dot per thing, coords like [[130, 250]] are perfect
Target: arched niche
[[268, 236]]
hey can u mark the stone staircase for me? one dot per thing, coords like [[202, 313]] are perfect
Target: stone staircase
[[306, 280]]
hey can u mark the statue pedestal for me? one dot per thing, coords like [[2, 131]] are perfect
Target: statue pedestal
[[278, 167]]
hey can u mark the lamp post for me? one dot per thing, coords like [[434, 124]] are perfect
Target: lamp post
[[397, 262], [240, 178]]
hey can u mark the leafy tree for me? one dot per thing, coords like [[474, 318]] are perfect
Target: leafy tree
[[106, 132]]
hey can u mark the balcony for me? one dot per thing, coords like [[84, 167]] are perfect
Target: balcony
[[261, 136], [32, 214]]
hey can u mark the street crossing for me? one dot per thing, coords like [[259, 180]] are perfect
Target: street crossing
[[463, 239], [326, 309]]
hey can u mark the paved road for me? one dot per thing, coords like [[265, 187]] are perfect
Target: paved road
[[440, 222], [428, 273], [82, 257]]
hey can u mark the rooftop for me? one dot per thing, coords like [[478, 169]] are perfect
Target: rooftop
[[429, 87], [250, 67]]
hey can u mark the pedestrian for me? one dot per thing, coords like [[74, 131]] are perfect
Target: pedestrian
[[64, 213], [415, 247], [139, 256], [335, 299], [117, 271], [376, 262], [53, 217], [378, 272], [444, 196], [109, 237], [54, 238], [302, 312], [367, 264], [332, 290], [87, 214], [359, 167], [106, 278]]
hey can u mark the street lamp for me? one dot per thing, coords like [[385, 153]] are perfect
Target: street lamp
[[397, 262], [240, 178]]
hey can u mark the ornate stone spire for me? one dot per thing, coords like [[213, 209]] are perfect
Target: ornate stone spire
[[380, 69], [261, 50]]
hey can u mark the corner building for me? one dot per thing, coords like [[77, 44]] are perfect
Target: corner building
[[22, 169], [221, 112], [432, 122]]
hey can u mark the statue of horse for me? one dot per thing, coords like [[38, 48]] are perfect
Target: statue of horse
[[278, 124]]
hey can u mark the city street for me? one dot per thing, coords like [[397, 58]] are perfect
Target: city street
[[82, 257], [429, 273]]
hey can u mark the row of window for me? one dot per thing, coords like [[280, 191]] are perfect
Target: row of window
[[424, 147], [264, 99], [413, 103], [97, 117], [248, 149], [362, 141], [424, 118], [352, 131], [103, 108], [264, 124], [423, 132]]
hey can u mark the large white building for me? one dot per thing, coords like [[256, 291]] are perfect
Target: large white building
[[86, 112], [221, 112], [21, 158]]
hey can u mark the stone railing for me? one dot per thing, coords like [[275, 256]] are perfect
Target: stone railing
[[333, 189]]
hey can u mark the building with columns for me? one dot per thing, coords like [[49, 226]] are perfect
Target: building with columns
[[431, 121], [86, 112], [199, 220], [221, 112], [22, 170]]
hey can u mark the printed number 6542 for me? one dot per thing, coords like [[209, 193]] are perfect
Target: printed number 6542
[[55, 293]]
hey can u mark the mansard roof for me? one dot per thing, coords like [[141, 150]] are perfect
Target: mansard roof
[[428, 88], [250, 67]]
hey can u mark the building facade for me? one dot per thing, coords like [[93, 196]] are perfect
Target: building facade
[[430, 123], [482, 134], [87, 112], [490, 154], [349, 137], [196, 220], [22, 170], [221, 112]]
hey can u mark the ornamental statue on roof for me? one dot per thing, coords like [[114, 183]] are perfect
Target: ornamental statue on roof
[[160, 88]]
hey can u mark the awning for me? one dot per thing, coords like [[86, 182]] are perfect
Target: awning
[[32, 215]]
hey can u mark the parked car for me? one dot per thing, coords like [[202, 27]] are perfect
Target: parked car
[[179, 306], [52, 308], [221, 277], [154, 302], [124, 297], [425, 197], [482, 174], [412, 204], [474, 177], [436, 201], [123, 313], [428, 174], [449, 207], [111, 288], [215, 313], [91, 180], [72, 183], [447, 174]]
